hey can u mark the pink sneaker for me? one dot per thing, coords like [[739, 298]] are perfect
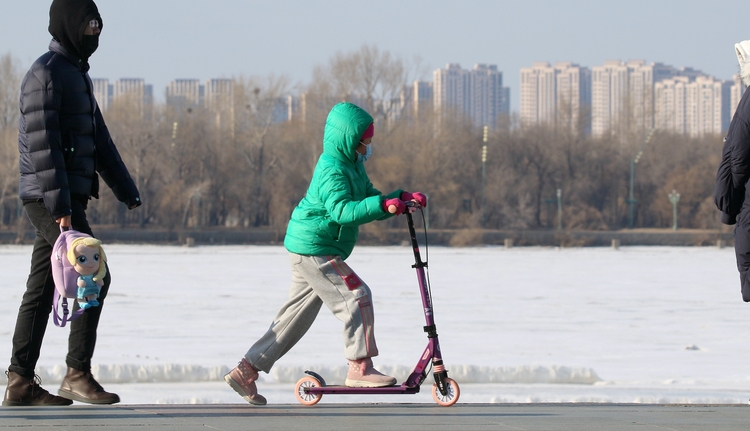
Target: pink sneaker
[[242, 379], [362, 375]]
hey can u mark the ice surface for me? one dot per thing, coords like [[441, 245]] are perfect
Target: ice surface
[[526, 324]]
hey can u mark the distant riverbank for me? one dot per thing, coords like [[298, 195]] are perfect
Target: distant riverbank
[[449, 237]]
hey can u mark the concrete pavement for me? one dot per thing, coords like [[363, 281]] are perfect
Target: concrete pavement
[[381, 417]]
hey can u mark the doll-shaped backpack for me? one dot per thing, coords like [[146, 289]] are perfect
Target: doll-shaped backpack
[[65, 276]]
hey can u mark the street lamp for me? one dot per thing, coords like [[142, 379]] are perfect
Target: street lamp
[[174, 132], [559, 209], [631, 199], [484, 172], [674, 197]]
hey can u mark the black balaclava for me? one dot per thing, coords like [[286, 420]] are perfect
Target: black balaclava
[[68, 20]]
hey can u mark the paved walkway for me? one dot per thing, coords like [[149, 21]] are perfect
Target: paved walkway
[[382, 417]]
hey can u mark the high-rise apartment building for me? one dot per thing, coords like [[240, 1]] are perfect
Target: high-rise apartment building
[[219, 94], [487, 95], [184, 94], [694, 106], [478, 93], [622, 94], [538, 94], [670, 104], [450, 89], [609, 86], [417, 99], [219, 99], [133, 91], [737, 90], [556, 95], [102, 93], [573, 96], [709, 99]]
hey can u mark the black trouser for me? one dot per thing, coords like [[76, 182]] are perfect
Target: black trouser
[[36, 304]]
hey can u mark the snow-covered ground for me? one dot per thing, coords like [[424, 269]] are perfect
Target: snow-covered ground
[[527, 324]]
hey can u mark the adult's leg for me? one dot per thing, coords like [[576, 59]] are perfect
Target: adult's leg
[[79, 384], [742, 253], [23, 388], [36, 305], [82, 338]]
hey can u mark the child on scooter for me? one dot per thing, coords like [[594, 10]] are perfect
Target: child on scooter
[[320, 236]]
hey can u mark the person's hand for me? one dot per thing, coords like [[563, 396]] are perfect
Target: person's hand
[[417, 197], [394, 206], [134, 203], [64, 221]]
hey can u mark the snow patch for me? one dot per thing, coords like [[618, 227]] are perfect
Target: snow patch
[[181, 373]]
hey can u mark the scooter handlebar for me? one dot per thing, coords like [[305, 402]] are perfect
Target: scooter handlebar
[[410, 205]]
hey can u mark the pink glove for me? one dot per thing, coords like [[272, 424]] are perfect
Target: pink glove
[[417, 197], [394, 206]]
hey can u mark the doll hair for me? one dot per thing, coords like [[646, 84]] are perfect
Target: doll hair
[[89, 242]]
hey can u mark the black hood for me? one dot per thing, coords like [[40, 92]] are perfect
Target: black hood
[[67, 22]]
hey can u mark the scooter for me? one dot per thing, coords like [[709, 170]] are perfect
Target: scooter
[[445, 391]]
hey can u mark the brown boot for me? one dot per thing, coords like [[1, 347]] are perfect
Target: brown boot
[[81, 386], [362, 375], [242, 379], [25, 391]]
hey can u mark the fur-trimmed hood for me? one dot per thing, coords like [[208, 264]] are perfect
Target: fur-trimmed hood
[[742, 50]]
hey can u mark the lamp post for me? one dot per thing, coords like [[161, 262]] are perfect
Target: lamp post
[[559, 209], [426, 213], [674, 197], [631, 199], [484, 171], [174, 132]]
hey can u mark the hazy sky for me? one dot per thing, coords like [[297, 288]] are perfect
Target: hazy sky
[[161, 40]]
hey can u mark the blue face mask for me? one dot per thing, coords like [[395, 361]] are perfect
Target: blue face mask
[[363, 157]]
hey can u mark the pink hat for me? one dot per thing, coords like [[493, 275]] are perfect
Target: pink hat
[[369, 132]]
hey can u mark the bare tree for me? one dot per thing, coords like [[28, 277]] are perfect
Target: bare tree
[[10, 84], [134, 133], [259, 106], [367, 77]]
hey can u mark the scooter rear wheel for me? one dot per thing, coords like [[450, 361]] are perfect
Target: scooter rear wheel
[[451, 397], [306, 398]]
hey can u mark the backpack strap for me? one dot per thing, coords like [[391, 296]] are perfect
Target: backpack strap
[[62, 320]]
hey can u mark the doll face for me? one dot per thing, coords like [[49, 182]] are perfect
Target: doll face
[[87, 259]]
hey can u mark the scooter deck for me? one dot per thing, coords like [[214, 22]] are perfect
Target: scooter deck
[[340, 389]]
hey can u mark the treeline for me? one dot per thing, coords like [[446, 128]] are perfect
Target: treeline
[[238, 168]]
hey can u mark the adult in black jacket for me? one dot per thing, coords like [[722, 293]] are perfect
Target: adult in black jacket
[[63, 144], [731, 194]]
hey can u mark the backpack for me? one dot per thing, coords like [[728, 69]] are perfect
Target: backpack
[[65, 276]]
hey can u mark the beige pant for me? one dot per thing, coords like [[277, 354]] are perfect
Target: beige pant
[[318, 280]]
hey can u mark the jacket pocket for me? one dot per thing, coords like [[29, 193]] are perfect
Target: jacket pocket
[[330, 229]]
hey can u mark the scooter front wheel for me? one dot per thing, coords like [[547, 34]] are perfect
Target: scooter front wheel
[[306, 398], [451, 397]]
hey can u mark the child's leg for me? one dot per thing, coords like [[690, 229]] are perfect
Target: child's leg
[[291, 322], [348, 297]]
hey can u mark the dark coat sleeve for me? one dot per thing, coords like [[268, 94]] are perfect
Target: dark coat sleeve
[[110, 166], [727, 197], [41, 99], [734, 169]]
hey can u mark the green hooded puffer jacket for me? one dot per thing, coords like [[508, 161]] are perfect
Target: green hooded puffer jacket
[[340, 197]]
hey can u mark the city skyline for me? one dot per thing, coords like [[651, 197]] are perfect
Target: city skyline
[[610, 97], [169, 39]]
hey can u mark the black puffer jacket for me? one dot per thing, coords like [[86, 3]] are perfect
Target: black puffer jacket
[[62, 140], [734, 169]]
